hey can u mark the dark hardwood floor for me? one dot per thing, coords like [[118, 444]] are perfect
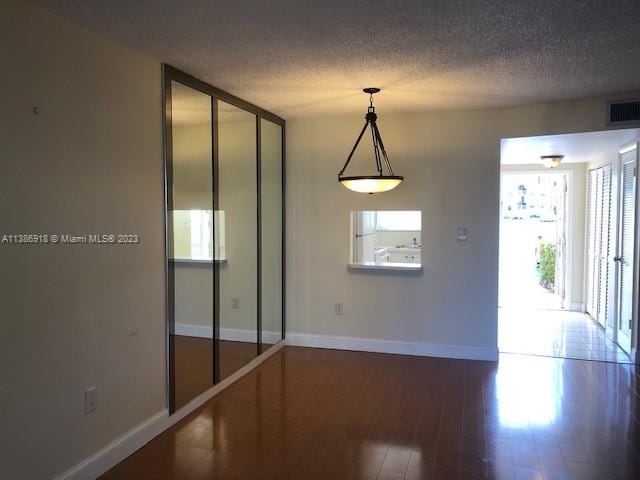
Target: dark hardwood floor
[[235, 355], [325, 414], [194, 364]]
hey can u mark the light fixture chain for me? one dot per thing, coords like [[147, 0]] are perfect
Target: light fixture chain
[[376, 149], [364, 129], [384, 152]]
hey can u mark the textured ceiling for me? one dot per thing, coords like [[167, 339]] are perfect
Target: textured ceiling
[[302, 57], [576, 147]]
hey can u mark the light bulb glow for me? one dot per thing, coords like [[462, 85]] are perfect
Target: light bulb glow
[[371, 184], [551, 161]]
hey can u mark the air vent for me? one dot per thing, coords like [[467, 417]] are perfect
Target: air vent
[[622, 113]]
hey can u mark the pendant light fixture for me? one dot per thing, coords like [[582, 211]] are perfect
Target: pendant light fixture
[[371, 183], [551, 161]]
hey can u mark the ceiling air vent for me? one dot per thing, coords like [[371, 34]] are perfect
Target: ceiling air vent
[[623, 113]]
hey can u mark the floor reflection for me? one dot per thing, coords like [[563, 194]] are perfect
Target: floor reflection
[[529, 391], [325, 414], [555, 333]]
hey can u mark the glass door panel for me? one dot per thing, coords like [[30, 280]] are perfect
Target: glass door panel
[[271, 232], [224, 186], [238, 203], [190, 243]]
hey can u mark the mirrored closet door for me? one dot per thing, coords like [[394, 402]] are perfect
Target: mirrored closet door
[[224, 219], [271, 233], [189, 216], [238, 199]]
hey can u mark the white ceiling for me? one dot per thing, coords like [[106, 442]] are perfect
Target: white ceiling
[[304, 57], [576, 147]]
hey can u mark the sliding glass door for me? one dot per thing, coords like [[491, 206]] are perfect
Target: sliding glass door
[[224, 234]]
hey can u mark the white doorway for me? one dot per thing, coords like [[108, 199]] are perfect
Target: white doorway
[[569, 246], [533, 233]]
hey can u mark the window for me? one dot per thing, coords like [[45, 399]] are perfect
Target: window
[[200, 234], [192, 235], [398, 221], [386, 240]]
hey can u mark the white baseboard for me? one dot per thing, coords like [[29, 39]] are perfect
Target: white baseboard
[[195, 331], [123, 446], [229, 334], [577, 307], [387, 346], [119, 449]]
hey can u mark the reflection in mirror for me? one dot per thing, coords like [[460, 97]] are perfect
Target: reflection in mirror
[[238, 198], [192, 234], [386, 239], [271, 234], [189, 223]]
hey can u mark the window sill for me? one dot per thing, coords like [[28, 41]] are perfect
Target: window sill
[[397, 267], [196, 261]]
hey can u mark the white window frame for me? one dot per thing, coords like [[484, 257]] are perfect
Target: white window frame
[[381, 228]]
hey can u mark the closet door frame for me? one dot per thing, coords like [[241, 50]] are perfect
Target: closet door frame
[[634, 334], [589, 283], [170, 74], [606, 265]]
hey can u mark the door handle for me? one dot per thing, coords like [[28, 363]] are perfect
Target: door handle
[[617, 259]]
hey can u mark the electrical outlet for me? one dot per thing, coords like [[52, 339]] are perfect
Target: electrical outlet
[[235, 302], [338, 308], [462, 234], [90, 400]]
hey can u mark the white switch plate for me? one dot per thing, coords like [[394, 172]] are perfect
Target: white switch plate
[[462, 234], [90, 400], [235, 302], [338, 308]]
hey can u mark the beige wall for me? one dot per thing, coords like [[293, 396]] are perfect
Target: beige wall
[[451, 164], [576, 233], [74, 317]]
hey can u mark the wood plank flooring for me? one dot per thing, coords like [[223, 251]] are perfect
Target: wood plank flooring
[[325, 414], [194, 363]]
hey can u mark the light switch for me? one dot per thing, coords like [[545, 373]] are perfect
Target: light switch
[[462, 234], [90, 400]]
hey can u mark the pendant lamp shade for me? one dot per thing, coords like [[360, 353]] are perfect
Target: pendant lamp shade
[[382, 182], [371, 183], [551, 161]]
